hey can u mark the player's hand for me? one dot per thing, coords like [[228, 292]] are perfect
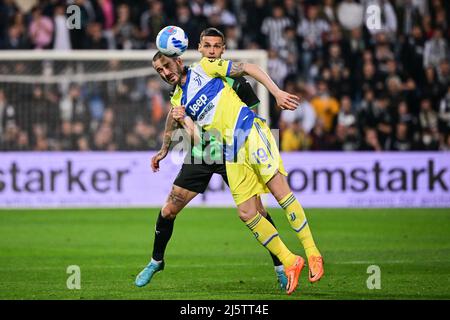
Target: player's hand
[[286, 100], [157, 158], [178, 113]]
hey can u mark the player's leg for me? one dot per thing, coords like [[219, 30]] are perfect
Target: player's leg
[[279, 269], [190, 181], [176, 201], [295, 214], [278, 266], [244, 186], [268, 236], [178, 198], [267, 162]]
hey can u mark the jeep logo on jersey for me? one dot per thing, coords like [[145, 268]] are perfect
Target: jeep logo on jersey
[[200, 102]]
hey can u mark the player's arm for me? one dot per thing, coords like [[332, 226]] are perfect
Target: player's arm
[[284, 100], [245, 92], [179, 114], [170, 127]]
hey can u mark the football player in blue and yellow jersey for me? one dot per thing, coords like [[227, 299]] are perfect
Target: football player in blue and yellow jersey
[[253, 162], [199, 166]]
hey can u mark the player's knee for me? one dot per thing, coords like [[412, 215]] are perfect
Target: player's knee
[[246, 215], [169, 211]]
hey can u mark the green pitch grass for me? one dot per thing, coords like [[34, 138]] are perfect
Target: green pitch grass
[[212, 255]]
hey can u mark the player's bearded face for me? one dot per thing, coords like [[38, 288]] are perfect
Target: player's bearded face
[[211, 47], [169, 69]]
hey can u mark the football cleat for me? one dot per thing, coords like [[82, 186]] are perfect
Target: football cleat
[[315, 265], [144, 277], [282, 279], [293, 273]]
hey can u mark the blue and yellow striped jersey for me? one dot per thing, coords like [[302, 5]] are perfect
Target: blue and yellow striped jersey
[[211, 102]]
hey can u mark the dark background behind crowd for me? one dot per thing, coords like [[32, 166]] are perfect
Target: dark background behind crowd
[[365, 86]]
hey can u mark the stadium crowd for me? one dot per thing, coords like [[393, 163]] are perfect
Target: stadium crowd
[[365, 85]]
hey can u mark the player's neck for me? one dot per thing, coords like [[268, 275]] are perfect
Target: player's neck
[[183, 77]]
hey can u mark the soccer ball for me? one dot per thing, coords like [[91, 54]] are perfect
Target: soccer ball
[[172, 41]]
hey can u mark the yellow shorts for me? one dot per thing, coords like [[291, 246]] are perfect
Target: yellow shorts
[[257, 162]]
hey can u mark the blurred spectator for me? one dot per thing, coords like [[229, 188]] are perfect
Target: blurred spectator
[[408, 12], [155, 102], [288, 49], [383, 53], [10, 137], [325, 106], [66, 139], [72, 106], [432, 89], [15, 39], [258, 10], [383, 118], [273, 27], [186, 22], [293, 10], [444, 113], [83, 144], [346, 116], [412, 54], [103, 138], [277, 68], [428, 118], [94, 37], [62, 35], [339, 81], [7, 113], [327, 12], [304, 114], [371, 142], [8, 9], [311, 31], [406, 117], [336, 141], [152, 20], [357, 46], [125, 32], [294, 138], [220, 9], [105, 15], [443, 73], [436, 49], [40, 138], [23, 143], [232, 39], [445, 143], [430, 140], [401, 140], [352, 139], [40, 30], [370, 79]]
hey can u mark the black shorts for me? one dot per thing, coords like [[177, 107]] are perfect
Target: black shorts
[[195, 177]]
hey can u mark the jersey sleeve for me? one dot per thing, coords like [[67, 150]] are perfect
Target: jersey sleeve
[[175, 99], [216, 67], [245, 91]]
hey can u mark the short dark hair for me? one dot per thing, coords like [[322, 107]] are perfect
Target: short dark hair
[[212, 32], [158, 55]]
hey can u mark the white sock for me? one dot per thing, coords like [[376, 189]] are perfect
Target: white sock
[[279, 268], [155, 261]]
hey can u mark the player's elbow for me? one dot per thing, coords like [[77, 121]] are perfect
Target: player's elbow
[[247, 68]]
